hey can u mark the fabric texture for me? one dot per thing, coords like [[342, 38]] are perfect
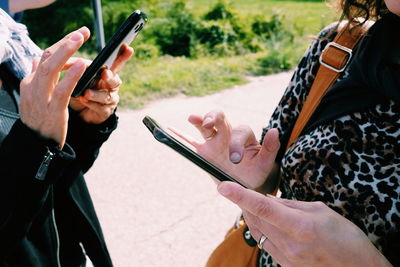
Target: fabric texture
[[16, 49], [350, 161]]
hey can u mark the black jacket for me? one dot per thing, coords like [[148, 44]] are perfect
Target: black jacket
[[46, 214]]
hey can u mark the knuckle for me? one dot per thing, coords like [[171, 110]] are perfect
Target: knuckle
[[242, 130], [305, 230], [44, 69], [69, 47], [319, 205], [220, 116], [263, 209], [294, 253], [46, 54], [237, 198], [60, 93]]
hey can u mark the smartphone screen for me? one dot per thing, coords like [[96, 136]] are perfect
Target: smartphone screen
[[125, 34], [164, 137]]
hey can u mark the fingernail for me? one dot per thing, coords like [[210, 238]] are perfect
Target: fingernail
[[223, 189], [78, 65], [235, 157], [76, 36], [206, 121], [83, 29]]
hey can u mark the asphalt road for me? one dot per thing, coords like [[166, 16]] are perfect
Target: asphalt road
[[157, 208]]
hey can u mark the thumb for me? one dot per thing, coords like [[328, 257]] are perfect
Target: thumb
[[269, 149]]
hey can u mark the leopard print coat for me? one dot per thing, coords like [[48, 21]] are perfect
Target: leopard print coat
[[351, 163]]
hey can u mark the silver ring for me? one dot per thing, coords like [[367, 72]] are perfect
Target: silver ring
[[263, 238], [214, 132]]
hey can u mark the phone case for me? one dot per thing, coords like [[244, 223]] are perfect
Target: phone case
[[125, 34], [162, 136]]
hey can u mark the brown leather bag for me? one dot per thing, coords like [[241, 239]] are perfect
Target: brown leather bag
[[234, 251]]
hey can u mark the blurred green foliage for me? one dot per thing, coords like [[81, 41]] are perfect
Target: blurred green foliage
[[211, 43], [172, 29]]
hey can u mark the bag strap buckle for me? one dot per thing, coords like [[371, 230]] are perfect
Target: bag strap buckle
[[345, 59]]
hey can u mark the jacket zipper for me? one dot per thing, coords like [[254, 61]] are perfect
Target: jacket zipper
[[53, 219], [44, 166]]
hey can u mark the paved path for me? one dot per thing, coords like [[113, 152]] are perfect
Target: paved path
[[158, 209]]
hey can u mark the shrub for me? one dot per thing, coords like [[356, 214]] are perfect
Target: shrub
[[49, 24], [275, 61], [266, 28], [176, 34], [220, 11], [64, 16], [146, 51]]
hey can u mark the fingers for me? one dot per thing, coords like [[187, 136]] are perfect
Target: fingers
[[268, 209], [272, 249], [269, 149], [212, 123], [124, 54], [72, 60], [109, 80], [68, 45], [95, 112], [35, 64], [187, 138], [197, 121], [63, 90], [54, 59], [103, 97], [241, 138]]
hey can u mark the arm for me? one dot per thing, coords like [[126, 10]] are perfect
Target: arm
[[86, 139], [24, 182], [21, 5], [31, 154], [92, 116]]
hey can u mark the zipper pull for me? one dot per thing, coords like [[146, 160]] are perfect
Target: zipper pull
[[44, 166]]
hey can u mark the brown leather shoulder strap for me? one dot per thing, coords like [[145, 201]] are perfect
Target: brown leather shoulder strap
[[333, 60]]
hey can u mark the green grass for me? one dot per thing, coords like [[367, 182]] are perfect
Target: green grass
[[310, 15], [167, 76]]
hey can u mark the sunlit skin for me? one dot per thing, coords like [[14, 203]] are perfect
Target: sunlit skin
[[45, 98], [393, 6]]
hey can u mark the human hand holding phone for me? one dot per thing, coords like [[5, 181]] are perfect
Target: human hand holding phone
[[97, 105], [251, 168], [108, 56], [44, 96]]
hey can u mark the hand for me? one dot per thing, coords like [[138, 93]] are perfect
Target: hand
[[44, 99], [303, 233], [236, 151], [98, 104]]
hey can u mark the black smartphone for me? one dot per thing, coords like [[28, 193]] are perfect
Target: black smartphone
[[164, 137], [125, 34]]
